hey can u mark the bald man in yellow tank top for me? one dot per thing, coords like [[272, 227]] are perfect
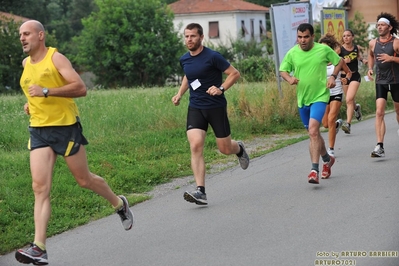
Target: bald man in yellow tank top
[[50, 83], [49, 111]]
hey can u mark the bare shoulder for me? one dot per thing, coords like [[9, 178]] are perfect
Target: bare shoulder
[[396, 44], [65, 68], [24, 61], [372, 44], [61, 61]]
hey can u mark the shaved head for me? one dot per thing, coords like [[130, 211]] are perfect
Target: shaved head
[[34, 24], [32, 37]]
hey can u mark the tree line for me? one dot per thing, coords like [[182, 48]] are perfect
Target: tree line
[[125, 43]]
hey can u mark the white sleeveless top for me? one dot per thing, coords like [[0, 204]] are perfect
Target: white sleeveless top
[[338, 85]]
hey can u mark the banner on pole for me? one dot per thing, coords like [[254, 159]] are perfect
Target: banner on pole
[[334, 21], [285, 19]]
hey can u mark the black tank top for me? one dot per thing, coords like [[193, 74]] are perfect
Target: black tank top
[[353, 64], [388, 72]]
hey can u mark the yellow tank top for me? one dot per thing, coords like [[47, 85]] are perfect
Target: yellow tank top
[[50, 111]]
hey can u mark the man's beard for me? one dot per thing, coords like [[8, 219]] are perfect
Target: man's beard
[[195, 47]]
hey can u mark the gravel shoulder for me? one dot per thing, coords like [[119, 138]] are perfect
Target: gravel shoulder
[[255, 146]]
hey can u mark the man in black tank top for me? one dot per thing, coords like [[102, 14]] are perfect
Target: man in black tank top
[[384, 53]]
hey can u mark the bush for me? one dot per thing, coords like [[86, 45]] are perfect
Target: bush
[[256, 69]]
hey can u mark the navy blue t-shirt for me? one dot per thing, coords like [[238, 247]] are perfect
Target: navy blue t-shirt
[[207, 67]]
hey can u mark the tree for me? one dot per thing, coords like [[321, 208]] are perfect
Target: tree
[[258, 2], [267, 3], [10, 5], [129, 43], [360, 29], [62, 18], [65, 20], [33, 9], [11, 55]]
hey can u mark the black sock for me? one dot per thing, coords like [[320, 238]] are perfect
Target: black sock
[[315, 166], [241, 151], [381, 144], [325, 157], [201, 188]]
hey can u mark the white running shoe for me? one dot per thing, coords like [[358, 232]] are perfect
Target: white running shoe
[[358, 112], [346, 127], [338, 124], [378, 152]]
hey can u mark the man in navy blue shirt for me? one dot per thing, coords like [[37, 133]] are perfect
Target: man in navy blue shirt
[[203, 69]]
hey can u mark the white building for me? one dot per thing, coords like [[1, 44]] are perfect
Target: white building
[[222, 20]]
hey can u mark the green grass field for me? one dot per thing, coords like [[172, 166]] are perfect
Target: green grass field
[[137, 141]]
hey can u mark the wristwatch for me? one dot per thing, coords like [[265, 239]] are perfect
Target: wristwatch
[[45, 92], [221, 88]]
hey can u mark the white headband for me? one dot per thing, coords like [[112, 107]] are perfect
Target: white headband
[[384, 20]]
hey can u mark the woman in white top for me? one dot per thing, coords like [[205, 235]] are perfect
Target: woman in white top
[[336, 94]]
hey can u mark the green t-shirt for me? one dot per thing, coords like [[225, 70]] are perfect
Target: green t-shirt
[[309, 67]]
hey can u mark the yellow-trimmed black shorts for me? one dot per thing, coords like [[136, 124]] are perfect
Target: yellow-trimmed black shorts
[[64, 140]]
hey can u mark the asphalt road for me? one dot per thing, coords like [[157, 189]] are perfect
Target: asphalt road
[[266, 215]]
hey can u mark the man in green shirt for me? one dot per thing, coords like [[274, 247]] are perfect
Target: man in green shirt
[[307, 61]]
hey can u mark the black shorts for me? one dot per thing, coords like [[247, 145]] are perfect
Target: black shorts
[[381, 91], [355, 77], [217, 118], [337, 98], [64, 140]]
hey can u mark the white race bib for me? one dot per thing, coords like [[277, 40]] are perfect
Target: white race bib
[[195, 84]]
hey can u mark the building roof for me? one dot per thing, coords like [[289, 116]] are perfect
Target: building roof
[[209, 6], [12, 17]]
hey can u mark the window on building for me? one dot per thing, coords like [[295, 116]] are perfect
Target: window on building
[[213, 29], [262, 29], [244, 30], [252, 25]]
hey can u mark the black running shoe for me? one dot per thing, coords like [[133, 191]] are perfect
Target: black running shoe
[[196, 197], [358, 112], [244, 158], [126, 214]]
